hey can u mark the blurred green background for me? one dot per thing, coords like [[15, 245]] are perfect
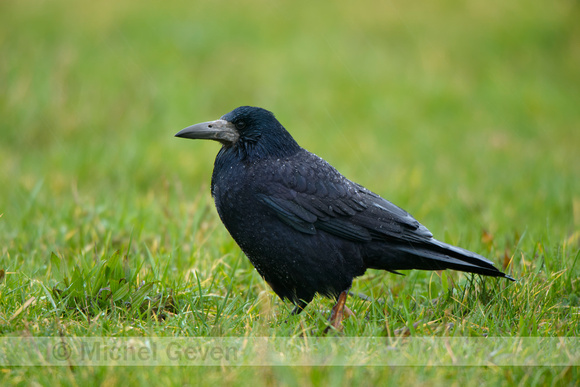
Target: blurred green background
[[467, 114]]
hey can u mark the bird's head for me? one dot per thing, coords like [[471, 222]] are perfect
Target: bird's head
[[249, 131]]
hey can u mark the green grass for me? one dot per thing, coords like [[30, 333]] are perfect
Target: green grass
[[465, 114]]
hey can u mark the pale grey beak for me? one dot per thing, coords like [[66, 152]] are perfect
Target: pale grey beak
[[219, 130]]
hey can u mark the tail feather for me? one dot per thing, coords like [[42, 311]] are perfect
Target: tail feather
[[435, 255]]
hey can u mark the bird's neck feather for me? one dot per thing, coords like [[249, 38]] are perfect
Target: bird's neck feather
[[251, 150]]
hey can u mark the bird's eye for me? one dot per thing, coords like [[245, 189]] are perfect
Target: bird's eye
[[240, 124]]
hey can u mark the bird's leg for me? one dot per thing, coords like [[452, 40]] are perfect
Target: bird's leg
[[298, 308], [347, 312], [337, 314]]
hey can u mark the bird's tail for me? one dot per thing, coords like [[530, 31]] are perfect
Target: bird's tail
[[436, 255]]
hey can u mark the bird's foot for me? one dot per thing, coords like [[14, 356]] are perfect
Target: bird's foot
[[337, 314]]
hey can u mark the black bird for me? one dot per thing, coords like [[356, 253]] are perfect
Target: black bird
[[306, 228]]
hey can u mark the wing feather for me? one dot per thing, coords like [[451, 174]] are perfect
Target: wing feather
[[314, 196]]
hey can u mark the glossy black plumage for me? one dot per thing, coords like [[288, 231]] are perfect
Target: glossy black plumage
[[305, 227]]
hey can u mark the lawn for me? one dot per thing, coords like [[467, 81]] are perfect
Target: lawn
[[465, 114]]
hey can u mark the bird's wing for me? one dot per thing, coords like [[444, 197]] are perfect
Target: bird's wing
[[310, 195]]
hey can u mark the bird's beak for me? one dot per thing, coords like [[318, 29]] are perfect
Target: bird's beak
[[219, 130]]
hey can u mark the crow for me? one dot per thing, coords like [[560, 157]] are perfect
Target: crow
[[306, 228]]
